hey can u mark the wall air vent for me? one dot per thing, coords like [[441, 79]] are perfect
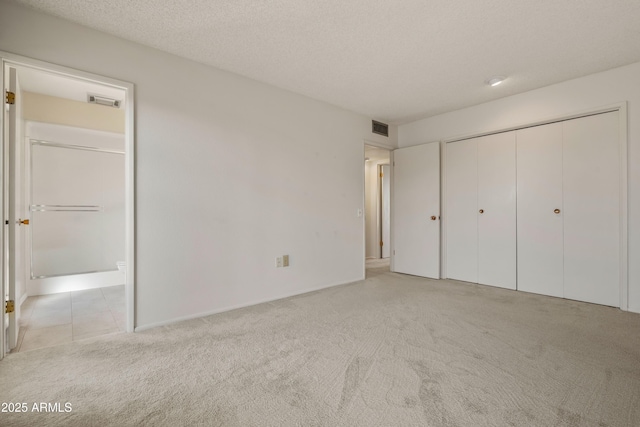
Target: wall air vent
[[379, 128], [103, 100]]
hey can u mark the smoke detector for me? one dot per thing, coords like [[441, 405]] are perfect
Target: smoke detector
[[103, 100]]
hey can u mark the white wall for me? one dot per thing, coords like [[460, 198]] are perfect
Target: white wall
[[590, 92], [230, 174]]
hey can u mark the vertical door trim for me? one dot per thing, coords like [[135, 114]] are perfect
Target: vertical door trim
[[624, 236], [381, 217], [7, 58], [363, 209], [443, 210], [379, 208]]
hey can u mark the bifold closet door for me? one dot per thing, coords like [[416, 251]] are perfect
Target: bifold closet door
[[496, 210], [416, 210], [462, 210], [591, 189], [540, 209]]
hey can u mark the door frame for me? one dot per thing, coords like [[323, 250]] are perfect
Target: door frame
[[380, 207], [621, 108], [9, 59], [390, 149]]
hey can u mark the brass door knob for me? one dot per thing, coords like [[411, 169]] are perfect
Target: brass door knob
[[557, 211], [23, 222], [481, 211], [433, 218]]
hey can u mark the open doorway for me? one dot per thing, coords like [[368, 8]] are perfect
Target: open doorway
[[377, 209], [68, 205]]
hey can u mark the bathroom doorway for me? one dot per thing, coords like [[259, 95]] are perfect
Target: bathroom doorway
[[68, 205]]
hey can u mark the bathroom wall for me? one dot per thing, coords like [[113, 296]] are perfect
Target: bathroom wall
[[51, 109]]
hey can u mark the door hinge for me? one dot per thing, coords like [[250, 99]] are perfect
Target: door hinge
[[381, 244], [9, 306], [11, 98], [381, 175]]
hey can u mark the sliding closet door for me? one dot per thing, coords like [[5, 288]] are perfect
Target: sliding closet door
[[591, 191], [462, 210], [416, 210], [496, 210], [540, 210]]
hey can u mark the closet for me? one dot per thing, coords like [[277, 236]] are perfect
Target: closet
[[481, 210], [538, 209]]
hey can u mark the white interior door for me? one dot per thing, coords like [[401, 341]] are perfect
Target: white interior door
[[591, 191], [416, 210], [497, 210], [385, 211], [462, 210], [540, 242]]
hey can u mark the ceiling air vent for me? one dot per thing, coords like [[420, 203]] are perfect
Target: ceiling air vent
[[379, 128], [103, 100]]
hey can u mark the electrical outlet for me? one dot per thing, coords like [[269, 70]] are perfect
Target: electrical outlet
[[279, 262], [285, 260]]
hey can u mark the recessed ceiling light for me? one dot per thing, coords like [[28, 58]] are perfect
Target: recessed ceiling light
[[496, 80]]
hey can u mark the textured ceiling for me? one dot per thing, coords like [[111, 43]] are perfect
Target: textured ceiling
[[392, 60]]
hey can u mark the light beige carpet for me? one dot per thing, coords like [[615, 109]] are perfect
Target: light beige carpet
[[392, 350]]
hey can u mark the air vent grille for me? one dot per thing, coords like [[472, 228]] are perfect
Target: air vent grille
[[103, 100], [379, 128]]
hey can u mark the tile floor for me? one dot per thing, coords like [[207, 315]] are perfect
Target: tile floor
[[49, 320]]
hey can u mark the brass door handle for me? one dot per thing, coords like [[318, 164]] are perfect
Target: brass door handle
[[481, 211], [22, 222], [557, 211], [433, 218]]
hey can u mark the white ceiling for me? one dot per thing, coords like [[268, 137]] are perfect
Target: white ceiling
[[392, 60]]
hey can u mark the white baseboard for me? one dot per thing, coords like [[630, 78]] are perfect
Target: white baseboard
[[23, 298], [235, 307]]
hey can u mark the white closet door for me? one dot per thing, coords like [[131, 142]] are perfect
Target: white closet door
[[496, 210], [539, 177], [462, 210], [592, 209], [416, 210]]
